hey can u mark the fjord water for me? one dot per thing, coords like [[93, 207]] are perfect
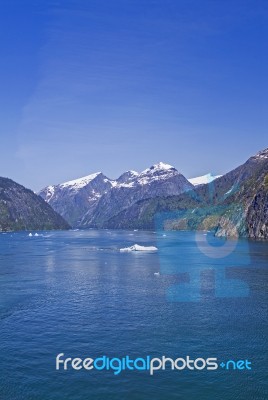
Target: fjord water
[[75, 293]]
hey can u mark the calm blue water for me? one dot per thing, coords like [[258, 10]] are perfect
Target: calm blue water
[[74, 292]]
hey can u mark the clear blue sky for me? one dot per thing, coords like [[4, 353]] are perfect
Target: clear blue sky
[[113, 85]]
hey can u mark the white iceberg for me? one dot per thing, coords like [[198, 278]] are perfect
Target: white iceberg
[[30, 234], [137, 247]]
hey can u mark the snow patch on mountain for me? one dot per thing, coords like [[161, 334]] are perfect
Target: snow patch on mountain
[[156, 172], [263, 154], [156, 168], [77, 184], [50, 193], [204, 179], [95, 198], [126, 179]]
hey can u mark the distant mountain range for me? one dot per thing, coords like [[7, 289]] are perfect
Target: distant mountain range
[[160, 197], [21, 209], [234, 204], [93, 200]]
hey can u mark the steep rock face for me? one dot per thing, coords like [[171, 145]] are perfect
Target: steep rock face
[[246, 200], [73, 199], [159, 180], [21, 209], [257, 215], [237, 199]]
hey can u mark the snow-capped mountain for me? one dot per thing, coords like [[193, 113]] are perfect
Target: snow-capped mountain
[[261, 155], [91, 200], [204, 179], [73, 199], [132, 200], [159, 180], [127, 178], [237, 205]]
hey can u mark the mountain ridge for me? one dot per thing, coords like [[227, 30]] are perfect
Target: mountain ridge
[[22, 209], [234, 204], [88, 201]]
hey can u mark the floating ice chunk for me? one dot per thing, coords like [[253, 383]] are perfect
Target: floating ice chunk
[[137, 247], [157, 273], [30, 234], [36, 234]]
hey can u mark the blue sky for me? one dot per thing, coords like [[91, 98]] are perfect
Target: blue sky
[[117, 85]]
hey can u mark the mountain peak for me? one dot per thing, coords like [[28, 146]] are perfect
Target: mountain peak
[[261, 154], [127, 176], [162, 166], [157, 172], [81, 182], [159, 168]]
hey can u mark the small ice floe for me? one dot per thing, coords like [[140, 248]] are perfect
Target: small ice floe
[[36, 234], [164, 235], [30, 234], [135, 230], [156, 273], [137, 247]]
